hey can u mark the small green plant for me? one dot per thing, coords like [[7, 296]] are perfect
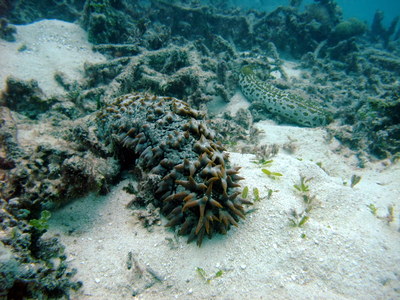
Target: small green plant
[[298, 220], [218, 274], [303, 187], [373, 209], [207, 279], [272, 175], [245, 192], [202, 273], [303, 220], [267, 163], [256, 194], [355, 179], [42, 223], [390, 214], [389, 218], [262, 162], [308, 200]]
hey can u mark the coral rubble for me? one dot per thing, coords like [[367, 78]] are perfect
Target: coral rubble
[[31, 266], [42, 165], [169, 141], [25, 97], [7, 31], [28, 11], [379, 32]]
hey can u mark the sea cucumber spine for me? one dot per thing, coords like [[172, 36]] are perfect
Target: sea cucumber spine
[[197, 188]]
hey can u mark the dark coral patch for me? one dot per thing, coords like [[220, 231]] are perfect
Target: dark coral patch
[[163, 136]]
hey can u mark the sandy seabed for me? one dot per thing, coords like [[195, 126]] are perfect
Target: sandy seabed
[[344, 251]]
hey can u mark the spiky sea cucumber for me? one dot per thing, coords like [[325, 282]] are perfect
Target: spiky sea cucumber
[[289, 106], [197, 189]]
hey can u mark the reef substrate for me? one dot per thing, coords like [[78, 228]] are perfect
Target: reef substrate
[[158, 47]]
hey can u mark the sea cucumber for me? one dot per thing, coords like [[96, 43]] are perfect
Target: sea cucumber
[[197, 189], [289, 106]]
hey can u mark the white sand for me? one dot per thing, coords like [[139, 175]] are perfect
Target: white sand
[[345, 253], [348, 253], [51, 46]]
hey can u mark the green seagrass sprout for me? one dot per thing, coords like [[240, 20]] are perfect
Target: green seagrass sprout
[[298, 219], [272, 175], [267, 163], [205, 277], [302, 187], [355, 179], [256, 194], [245, 192], [373, 209]]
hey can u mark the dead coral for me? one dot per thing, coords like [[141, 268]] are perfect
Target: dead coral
[[201, 21], [379, 32], [57, 165], [29, 11], [25, 97], [105, 22], [172, 71]]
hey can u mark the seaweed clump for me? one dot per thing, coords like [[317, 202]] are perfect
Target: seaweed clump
[[169, 145]]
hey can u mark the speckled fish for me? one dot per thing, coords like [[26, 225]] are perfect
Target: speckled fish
[[289, 106]]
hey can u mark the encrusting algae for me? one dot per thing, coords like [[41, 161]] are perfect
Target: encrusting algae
[[163, 136]]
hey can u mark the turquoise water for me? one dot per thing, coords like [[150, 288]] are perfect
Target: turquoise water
[[365, 9], [362, 9]]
